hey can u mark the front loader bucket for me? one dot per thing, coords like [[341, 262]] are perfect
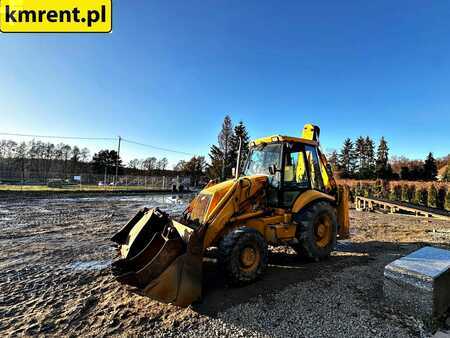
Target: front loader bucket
[[160, 258]]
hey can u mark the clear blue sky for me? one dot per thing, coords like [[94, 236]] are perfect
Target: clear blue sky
[[170, 71]]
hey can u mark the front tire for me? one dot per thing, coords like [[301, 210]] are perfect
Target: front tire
[[243, 254], [316, 230]]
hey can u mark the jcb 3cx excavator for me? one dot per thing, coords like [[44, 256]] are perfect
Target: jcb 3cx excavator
[[286, 195]]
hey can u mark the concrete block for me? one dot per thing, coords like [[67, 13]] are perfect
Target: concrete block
[[419, 284], [442, 334]]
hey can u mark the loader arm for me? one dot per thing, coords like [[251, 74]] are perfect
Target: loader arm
[[241, 199]]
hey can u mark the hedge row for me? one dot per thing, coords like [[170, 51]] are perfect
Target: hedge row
[[429, 197]]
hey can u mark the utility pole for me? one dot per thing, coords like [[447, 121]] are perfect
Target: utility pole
[[106, 172], [117, 161], [224, 158], [238, 162]]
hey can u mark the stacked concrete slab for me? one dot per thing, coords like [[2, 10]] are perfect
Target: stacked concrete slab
[[419, 284]]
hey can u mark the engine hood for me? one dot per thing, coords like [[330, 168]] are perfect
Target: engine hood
[[226, 185], [209, 198]]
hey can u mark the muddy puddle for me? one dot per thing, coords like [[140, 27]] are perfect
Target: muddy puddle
[[89, 265]]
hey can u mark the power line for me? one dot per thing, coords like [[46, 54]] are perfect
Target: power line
[[101, 139], [62, 137], [158, 148]]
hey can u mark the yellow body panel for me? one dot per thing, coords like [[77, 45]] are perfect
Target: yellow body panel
[[228, 213], [308, 197], [235, 201], [325, 178], [219, 186], [281, 138], [275, 229], [279, 233], [310, 132]]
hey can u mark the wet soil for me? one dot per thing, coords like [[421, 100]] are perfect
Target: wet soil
[[55, 279]]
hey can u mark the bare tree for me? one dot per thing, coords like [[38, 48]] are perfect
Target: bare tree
[[21, 157], [162, 164], [149, 163], [134, 164], [84, 155]]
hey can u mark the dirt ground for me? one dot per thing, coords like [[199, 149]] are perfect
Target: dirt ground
[[55, 278]]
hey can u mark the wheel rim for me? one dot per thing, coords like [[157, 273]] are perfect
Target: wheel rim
[[323, 231], [249, 258]]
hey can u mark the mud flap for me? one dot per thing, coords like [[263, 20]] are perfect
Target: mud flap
[[157, 261]]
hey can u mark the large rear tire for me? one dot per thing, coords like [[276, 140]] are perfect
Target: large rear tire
[[316, 230], [243, 255]]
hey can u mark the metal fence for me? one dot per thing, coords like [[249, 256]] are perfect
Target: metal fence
[[98, 182]]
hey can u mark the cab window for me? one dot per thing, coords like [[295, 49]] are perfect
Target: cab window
[[262, 157], [295, 174], [312, 160]]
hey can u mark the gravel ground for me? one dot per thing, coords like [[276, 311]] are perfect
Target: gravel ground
[[55, 278]]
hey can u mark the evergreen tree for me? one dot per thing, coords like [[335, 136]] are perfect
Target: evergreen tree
[[382, 168], [411, 193], [333, 160], [447, 173], [397, 192], [216, 158], [404, 173], [416, 173], [105, 161], [447, 201], [195, 168], [224, 139], [240, 133], [392, 194], [441, 197], [378, 189], [221, 155], [370, 158], [417, 195], [405, 193], [423, 197], [347, 159], [432, 196], [360, 154], [430, 168]]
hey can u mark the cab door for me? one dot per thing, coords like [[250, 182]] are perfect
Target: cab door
[[301, 172], [294, 174], [313, 165]]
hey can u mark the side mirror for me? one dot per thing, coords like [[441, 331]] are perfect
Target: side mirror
[[272, 169]]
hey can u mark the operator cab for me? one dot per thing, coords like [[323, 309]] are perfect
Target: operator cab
[[293, 166]]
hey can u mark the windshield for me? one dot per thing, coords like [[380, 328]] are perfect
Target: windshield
[[261, 158]]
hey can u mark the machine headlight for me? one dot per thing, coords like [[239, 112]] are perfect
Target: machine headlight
[[216, 199], [200, 207]]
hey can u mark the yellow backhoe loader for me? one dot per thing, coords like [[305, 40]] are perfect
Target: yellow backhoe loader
[[286, 195]]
